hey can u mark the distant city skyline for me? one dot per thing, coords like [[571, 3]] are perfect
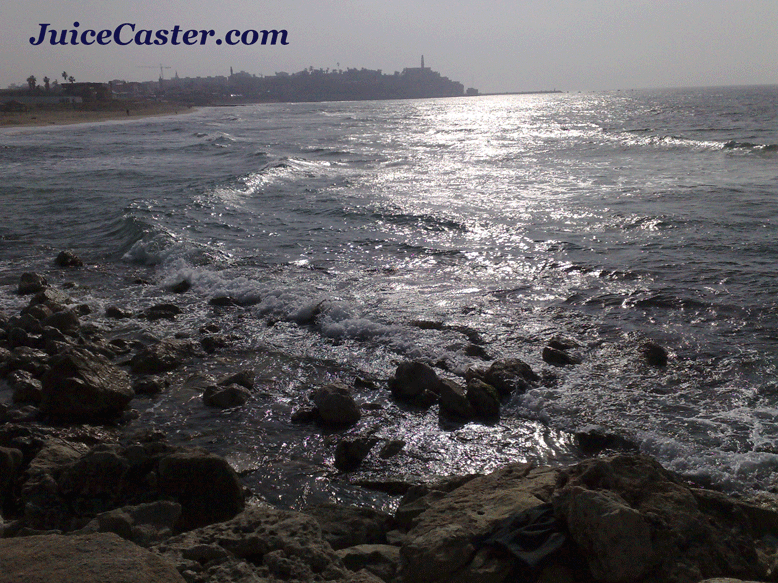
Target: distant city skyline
[[495, 46]]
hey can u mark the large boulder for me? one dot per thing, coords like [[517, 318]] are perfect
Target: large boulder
[[100, 557], [415, 382], [84, 387], [335, 405], [453, 401], [205, 485]]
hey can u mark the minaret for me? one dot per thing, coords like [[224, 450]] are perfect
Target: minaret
[[422, 62]]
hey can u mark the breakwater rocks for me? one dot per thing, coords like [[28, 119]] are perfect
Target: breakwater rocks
[[618, 519], [86, 495]]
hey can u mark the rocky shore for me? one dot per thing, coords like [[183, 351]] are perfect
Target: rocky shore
[[89, 494]]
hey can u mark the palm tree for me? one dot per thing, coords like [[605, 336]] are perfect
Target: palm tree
[[72, 79], [46, 83], [31, 81], [64, 75]]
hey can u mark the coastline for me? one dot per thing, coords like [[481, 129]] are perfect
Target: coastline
[[39, 117]]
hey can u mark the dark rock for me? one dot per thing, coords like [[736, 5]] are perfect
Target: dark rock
[[558, 357], [29, 359], [181, 287], [654, 354], [391, 449], [38, 311], [260, 544], [161, 311], [82, 386], [223, 301], [162, 357], [364, 383], [476, 351], [379, 559], [25, 322], [484, 399], [19, 337], [593, 440], [510, 374], [117, 313], [347, 526], [226, 397], [205, 485], [26, 388], [68, 259], [415, 382], [151, 385], [454, 401], [212, 343], [350, 452], [562, 343], [10, 462], [65, 321], [52, 298], [244, 378], [145, 524], [83, 310], [336, 406], [31, 283], [100, 557], [209, 328], [305, 415]]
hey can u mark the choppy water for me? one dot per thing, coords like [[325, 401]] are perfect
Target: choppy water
[[608, 218]]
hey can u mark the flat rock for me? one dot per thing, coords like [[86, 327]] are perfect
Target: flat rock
[[103, 557]]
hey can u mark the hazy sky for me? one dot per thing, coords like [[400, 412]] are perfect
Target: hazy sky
[[515, 45]]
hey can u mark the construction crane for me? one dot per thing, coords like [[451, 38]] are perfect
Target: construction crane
[[161, 66]]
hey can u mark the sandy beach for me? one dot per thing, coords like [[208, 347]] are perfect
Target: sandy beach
[[65, 115]]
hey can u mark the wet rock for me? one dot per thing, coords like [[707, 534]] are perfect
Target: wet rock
[[415, 382], [66, 321], [29, 359], [53, 299], [181, 287], [226, 397], [350, 452], [391, 449], [82, 386], [593, 440], [223, 301], [205, 485], [68, 259], [100, 557], [151, 385], [145, 524], [10, 462], [380, 560], [31, 283], [18, 337], [454, 402], [26, 322], [259, 544], [26, 388], [654, 354], [212, 343], [336, 406], [484, 399], [161, 311], [244, 378], [161, 357], [558, 357], [305, 415], [509, 375], [38, 311], [347, 526], [117, 313]]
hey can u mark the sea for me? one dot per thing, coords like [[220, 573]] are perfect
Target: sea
[[357, 235]]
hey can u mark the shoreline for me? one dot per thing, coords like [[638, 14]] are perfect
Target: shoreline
[[41, 117]]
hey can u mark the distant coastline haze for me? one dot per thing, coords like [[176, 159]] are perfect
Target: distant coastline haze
[[494, 46]]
